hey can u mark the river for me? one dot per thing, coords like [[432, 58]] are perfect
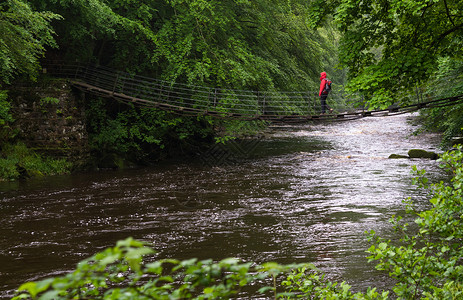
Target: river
[[304, 193]]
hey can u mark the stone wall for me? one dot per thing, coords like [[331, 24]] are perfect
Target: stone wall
[[50, 118]]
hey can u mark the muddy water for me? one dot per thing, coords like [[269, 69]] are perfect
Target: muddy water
[[300, 194]]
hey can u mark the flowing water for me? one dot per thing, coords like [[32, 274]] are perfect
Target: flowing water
[[300, 193]]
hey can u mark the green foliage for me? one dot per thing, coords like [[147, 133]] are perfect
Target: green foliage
[[8, 169], [242, 44], [48, 100], [5, 106], [121, 273], [25, 34], [239, 44], [309, 284], [448, 79], [447, 120], [234, 44], [447, 82], [84, 22], [142, 134], [5, 118], [427, 260], [18, 161], [389, 44], [230, 129]]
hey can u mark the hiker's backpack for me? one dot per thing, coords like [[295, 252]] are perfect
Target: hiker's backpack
[[327, 88]]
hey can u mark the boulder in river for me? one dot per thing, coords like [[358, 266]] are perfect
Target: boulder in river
[[419, 153], [397, 156]]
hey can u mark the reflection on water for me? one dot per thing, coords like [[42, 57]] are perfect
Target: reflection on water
[[303, 194]]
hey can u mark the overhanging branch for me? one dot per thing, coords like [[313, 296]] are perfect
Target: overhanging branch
[[448, 13], [439, 39]]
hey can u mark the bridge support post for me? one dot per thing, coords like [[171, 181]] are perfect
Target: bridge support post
[[260, 103], [115, 83], [263, 105], [160, 94], [215, 97]]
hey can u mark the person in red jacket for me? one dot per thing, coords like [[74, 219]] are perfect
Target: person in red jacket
[[323, 93]]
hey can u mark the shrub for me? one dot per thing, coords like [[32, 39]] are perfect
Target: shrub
[[5, 118], [8, 169], [20, 161], [427, 260], [120, 273]]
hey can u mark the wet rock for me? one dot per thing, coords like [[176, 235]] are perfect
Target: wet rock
[[397, 156], [419, 153]]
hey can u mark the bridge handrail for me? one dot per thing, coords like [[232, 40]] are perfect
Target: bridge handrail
[[229, 100], [195, 99]]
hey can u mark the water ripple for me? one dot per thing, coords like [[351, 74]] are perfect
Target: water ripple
[[307, 194]]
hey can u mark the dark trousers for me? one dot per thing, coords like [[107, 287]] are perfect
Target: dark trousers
[[325, 106]]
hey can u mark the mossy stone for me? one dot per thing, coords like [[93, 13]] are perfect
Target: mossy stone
[[397, 156], [419, 153]]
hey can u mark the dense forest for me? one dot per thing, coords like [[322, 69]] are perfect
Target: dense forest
[[383, 50]]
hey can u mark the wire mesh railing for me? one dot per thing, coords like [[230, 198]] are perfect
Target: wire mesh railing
[[149, 91], [222, 102]]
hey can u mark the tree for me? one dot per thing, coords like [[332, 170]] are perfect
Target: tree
[[241, 44], [390, 45], [227, 44], [447, 82], [237, 44], [25, 34]]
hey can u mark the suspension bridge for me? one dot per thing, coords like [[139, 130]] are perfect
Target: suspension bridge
[[183, 99]]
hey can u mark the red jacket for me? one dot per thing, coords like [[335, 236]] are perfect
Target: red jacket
[[322, 83]]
